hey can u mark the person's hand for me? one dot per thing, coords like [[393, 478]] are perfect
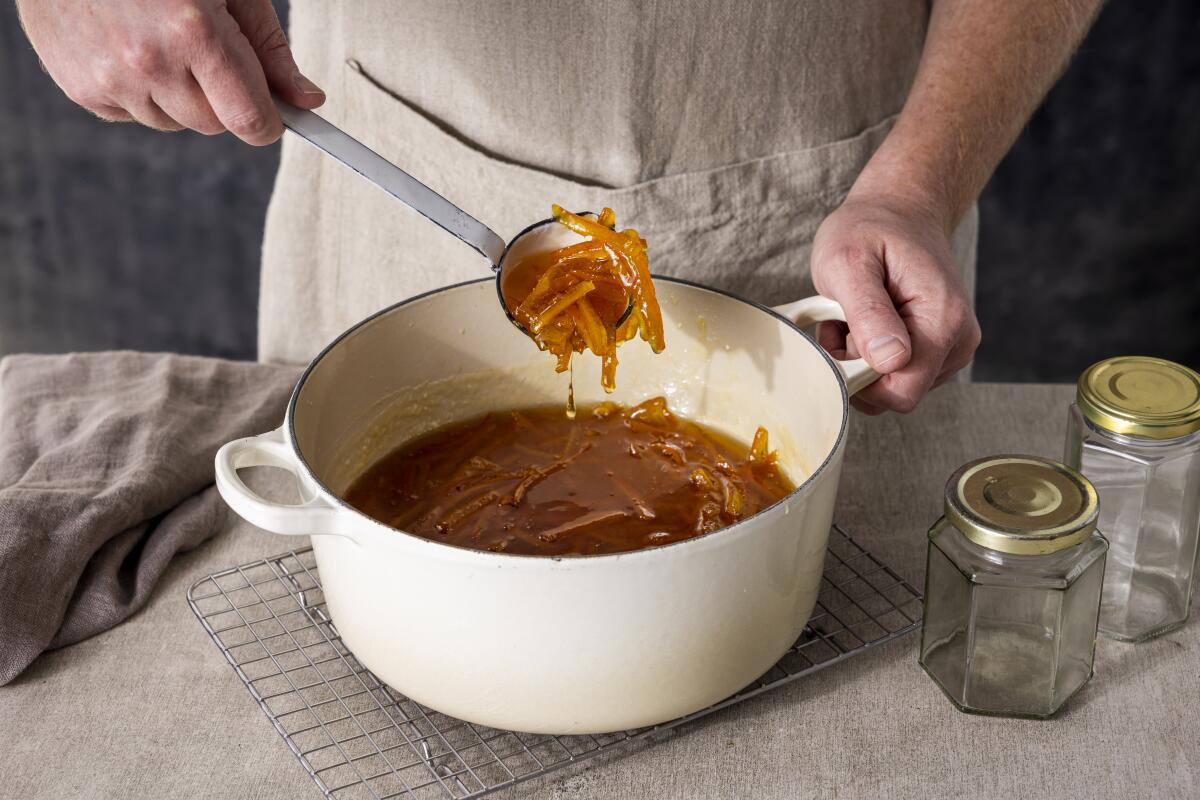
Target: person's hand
[[888, 262], [171, 64]]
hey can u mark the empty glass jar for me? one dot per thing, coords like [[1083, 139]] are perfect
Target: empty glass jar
[[1012, 587], [1134, 431]]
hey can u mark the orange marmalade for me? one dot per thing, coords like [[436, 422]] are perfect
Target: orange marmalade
[[576, 298]]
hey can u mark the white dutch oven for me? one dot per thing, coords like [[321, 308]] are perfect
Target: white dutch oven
[[560, 645]]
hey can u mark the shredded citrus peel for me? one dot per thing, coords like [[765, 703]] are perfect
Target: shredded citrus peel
[[581, 292]]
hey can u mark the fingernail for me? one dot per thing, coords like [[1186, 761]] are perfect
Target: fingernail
[[885, 349], [305, 85]]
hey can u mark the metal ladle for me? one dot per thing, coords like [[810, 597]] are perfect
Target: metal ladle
[[540, 237]]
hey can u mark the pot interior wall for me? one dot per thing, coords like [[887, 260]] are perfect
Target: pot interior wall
[[452, 355]]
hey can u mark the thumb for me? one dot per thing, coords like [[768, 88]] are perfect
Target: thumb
[[260, 25], [877, 329]]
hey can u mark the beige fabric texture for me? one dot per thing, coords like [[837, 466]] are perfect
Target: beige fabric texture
[[723, 132], [106, 472], [151, 709]]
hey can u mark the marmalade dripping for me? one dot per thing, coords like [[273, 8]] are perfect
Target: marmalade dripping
[[575, 298]]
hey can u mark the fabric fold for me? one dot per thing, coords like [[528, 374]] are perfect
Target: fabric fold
[[106, 472]]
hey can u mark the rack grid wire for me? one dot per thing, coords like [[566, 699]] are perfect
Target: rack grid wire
[[359, 738]]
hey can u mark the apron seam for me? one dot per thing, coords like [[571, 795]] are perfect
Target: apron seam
[[834, 195], [772, 160], [448, 130]]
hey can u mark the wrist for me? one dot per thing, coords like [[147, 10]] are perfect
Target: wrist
[[900, 178]]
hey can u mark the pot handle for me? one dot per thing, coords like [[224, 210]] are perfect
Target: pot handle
[[315, 516], [856, 372]]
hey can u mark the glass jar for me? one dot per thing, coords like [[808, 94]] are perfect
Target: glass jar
[[1134, 431], [1012, 587]]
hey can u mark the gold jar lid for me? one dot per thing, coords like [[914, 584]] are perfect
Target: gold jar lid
[[1141, 396], [1021, 504]]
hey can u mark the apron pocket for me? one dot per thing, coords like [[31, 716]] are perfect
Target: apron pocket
[[746, 228]]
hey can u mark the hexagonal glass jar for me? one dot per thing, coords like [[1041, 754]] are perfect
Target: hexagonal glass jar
[[1134, 432], [1013, 633]]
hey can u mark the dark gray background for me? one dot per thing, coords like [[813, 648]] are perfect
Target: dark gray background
[[112, 236]]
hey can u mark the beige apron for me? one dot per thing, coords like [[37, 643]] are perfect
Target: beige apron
[[724, 132]]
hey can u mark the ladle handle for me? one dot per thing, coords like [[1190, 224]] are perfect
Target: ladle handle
[[323, 135], [856, 372]]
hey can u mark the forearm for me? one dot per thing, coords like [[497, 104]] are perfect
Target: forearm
[[986, 66]]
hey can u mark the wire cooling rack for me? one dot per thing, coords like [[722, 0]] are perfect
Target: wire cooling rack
[[359, 738]]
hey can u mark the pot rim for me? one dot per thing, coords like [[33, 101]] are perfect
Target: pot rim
[[803, 486]]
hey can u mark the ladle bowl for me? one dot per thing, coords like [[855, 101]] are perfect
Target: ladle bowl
[[540, 237], [544, 236]]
